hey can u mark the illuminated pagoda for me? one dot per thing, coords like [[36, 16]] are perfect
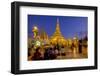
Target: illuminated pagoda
[[57, 37]]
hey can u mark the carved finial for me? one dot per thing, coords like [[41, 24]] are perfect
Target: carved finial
[[57, 20]]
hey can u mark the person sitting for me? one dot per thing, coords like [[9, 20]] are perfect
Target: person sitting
[[52, 54], [37, 54], [46, 54]]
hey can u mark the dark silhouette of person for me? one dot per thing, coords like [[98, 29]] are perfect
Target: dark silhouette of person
[[37, 54], [46, 54], [80, 46], [49, 54], [29, 54], [52, 53], [29, 51]]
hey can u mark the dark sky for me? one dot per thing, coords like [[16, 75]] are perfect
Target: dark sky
[[70, 26]]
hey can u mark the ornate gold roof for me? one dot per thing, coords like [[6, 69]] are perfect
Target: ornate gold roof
[[57, 37]]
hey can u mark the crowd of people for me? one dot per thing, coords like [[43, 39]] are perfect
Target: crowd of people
[[51, 52], [44, 53]]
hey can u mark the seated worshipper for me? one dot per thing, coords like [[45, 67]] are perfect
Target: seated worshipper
[[37, 54]]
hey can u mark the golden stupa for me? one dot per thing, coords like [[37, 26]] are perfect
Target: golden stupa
[[57, 37]]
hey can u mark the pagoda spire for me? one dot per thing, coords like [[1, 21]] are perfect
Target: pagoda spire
[[57, 20], [57, 31], [57, 37]]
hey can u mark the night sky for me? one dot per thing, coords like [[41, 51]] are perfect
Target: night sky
[[70, 26]]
